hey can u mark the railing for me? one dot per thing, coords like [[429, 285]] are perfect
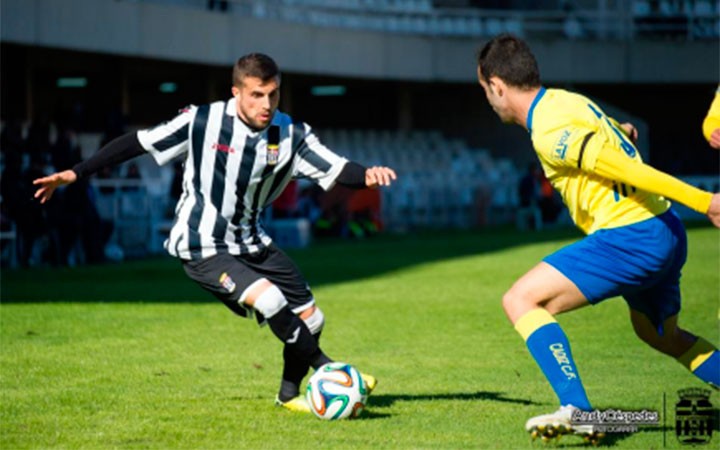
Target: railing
[[606, 20]]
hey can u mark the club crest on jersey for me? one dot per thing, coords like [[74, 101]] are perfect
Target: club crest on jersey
[[272, 155], [227, 282], [273, 145]]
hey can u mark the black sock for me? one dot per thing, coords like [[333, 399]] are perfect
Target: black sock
[[288, 390], [298, 340], [294, 370]]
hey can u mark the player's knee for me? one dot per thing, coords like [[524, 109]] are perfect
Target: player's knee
[[507, 302], [265, 297], [515, 304], [315, 321], [668, 343]]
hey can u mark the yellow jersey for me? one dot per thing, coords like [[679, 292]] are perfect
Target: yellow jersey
[[712, 119], [568, 133]]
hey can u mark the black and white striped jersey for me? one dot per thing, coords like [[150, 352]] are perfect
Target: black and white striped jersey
[[230, 176]]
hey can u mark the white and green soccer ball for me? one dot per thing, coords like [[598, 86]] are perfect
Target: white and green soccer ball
[[336, 391]]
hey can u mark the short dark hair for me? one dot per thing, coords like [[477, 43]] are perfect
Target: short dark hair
[[510, 59], [256, 65]]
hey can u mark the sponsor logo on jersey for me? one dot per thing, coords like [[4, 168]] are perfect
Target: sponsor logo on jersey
[[561, 146], [223, 148]]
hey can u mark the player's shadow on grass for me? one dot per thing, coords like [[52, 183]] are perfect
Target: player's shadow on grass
[[612, 439], [329, 261], [386, 400]]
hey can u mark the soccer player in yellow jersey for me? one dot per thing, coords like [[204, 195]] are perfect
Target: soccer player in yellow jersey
[[711, 124], [635, 245]]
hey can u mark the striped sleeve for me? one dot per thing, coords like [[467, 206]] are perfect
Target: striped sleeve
[[170, 139], [313, 159]]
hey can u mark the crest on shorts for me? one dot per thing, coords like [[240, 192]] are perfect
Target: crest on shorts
[[694, 416], [227, 282]]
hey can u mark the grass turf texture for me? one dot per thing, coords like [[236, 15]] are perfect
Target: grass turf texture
[[134, 355]]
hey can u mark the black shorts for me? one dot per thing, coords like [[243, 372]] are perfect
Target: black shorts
[[227, 276]]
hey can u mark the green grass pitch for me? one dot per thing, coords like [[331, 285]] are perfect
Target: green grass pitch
[[135, 356]]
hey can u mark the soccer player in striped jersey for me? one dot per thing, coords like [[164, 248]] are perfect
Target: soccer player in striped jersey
[[635, 245], [239, 155], [711, 124]]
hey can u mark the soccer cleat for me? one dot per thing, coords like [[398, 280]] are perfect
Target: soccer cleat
[[370, 382], [295, 404], [558, 424]]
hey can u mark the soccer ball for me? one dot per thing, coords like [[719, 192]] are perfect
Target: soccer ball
[[336, 391]]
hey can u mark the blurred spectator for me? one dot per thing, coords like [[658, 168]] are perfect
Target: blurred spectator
[[333, 219], [528, 214], [309, 201], [132, 173], [12, 145], [38, 240], [286, 205], [364, 217], [220, 5], [106, 173], [82, 223], [65, 149], [549, 203], [572, 27], [50, 233], [114, 128]]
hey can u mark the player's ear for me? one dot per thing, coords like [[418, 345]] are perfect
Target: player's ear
[[497, 85], [235, 91]]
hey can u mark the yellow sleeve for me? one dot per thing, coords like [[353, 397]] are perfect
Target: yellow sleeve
[[617, 125], [712, 119], [615, 166]]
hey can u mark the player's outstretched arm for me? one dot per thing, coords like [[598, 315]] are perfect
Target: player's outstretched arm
[[714, 210], [715, 139], [356, 176], [630, 131], [49, 183], [614, 166], [119, 150], [379, 176]]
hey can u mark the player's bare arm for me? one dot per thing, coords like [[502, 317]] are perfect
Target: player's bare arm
[[117, 151], [49, 183], [714, 210], [715, 139], [379, 176], [630, 131]]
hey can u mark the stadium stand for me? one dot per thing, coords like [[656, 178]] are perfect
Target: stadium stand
[[445, 182], [693, 19]]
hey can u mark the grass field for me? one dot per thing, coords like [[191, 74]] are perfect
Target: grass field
[[134, 355]]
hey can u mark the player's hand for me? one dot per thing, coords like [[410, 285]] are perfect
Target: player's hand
[[715, 139], [49, 183], [630, 131], [379, 176], [714, 211]]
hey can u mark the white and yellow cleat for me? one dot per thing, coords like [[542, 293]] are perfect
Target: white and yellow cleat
[[370, 382], [295, 404], [558, 424]]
